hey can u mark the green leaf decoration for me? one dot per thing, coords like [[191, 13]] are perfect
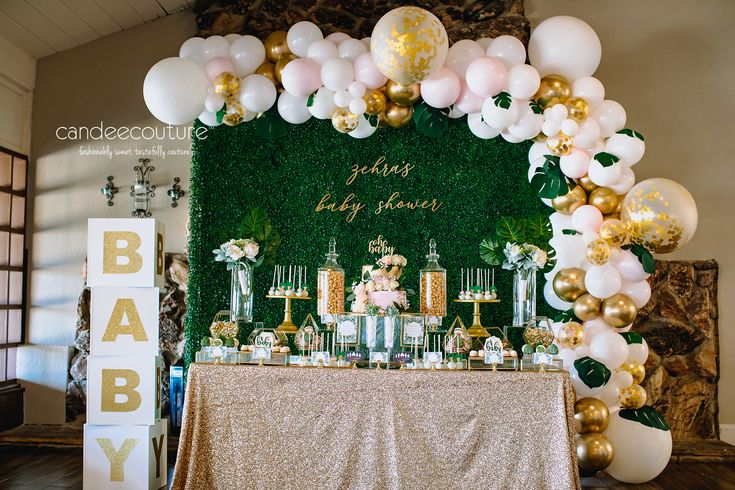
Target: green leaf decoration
[[535, 107], [632, 133], [567, 316], [418, 111], [549, 181], [538, 229], [569, 231], [644, 256], [632, 337], [592, 373], [509, 229], [430, 121], [491, 251], [257, 225], [606, 159], [553, 349], [270, 125], [645, 415], [310, 100], [220, 114], [503, 100], [373, 120]]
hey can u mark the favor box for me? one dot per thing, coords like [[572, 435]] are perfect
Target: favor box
[[126, 456], [124, 390], [124, 321], [125, 252]]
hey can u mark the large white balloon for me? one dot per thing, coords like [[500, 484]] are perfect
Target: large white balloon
[[209, 118], [588, 134], [293, 109], [508, 49], [321, 50], [337, 74], [570, 250], [191, 49], [247, 53], [625, 182], [629, 149], [595, 327], [580, 388], [609, 348], [610, 116], [604, 176], [497, 116], [174, 90], [214, 47], [479, 128], [301, 35], [461, 54], [602, 281], [323, 104], [590, 89], [523, 81], [641, 452], [638, 352], [586, 218], [630, 267], [351, 49], [257, 93], [639, 292], [565, 46]]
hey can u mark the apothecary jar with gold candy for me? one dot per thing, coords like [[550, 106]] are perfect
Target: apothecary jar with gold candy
[[330, 285], [433, 287]]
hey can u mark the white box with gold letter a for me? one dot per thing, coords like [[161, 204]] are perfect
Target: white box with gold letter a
[[124, 438]]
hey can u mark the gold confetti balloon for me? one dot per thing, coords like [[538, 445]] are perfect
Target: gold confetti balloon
[[409, 44], [375, 100], [578, 108], [604, 199], [568, 284], [570, 201], [634, 396], [598, 252], [587, 307], [618, 310], [571, 334], [560, 144], [554, 89], [636, 369], [403, 94], [275, 45], [234, 114], [660, 215], [397, 116], [614, 232], [590, 415], [594, 453], [344, 121], [227, 85]]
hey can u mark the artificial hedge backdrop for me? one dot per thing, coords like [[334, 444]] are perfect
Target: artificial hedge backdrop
[[234, 170]]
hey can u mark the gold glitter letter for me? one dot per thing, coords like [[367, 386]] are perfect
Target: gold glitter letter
[[159, 254], [117, 457], [157, 448], [115, 327], [110, 389], [111, 252]]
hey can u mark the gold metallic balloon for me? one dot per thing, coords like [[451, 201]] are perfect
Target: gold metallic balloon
[[587, 307], [397, 115], [598, 252], [553, 90], [613, 231], [569, 284], [590, 415], [636, 369], [267, 70], [604, 199], [578, 108], [570, 201], [611, 216], [227, 85], [634, 396], [281, 64], [571, 334], [344, 121], [660, 215], [234, 114], [586, 184], [594, 453], [618, 310], [560, 144], [275, 46], [375, 100], [402, 94]]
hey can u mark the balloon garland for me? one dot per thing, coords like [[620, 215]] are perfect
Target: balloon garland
[[605, 228]]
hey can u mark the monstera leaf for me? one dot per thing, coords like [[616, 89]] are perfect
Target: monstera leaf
[[645, 415], [549, 181], [567, 316], [632, 337], [491, 252], [257, 225], [538, 229], [430, 121], [270, 125], [632, 133], [592, 373], [606, 159], [511, 230]]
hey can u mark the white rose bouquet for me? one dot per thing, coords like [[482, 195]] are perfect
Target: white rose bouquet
[[238, 251], [523, 256]]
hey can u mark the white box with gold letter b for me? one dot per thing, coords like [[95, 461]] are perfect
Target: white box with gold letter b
[[123, 390], [124, 321], [125, 457], [125, 253]]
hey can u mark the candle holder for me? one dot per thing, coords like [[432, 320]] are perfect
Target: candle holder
[[287, 325], [476, 329]]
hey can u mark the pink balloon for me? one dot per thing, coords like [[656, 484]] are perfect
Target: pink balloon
[[301, 77], [575, 164], [366, 71], [441, 89], [468, 102], [486, 76], [586, 218], [215, 66]]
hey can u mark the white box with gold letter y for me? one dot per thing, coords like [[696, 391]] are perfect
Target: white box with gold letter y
[[124, 438]]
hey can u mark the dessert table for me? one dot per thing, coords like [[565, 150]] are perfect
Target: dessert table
[[288, 427]]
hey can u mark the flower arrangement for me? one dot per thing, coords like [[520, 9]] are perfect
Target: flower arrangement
[[238, 251], [523, 256], [518, 243]]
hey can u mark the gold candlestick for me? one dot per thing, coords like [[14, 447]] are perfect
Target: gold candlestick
[[476, 329], [287, 325]]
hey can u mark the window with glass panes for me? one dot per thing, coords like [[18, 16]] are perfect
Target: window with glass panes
[[13, 259]]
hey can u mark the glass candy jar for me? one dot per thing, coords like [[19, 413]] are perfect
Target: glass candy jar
[[538, 337], [433, 285], [331, 284]]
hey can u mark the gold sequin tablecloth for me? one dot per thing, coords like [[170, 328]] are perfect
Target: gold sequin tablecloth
[[269, 427]]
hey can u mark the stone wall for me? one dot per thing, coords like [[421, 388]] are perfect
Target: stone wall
[[680, 326]]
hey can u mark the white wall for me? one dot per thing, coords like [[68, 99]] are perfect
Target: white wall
[[671, 64]]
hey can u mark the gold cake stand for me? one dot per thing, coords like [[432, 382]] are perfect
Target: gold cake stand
[[287, 325], [476, 329]]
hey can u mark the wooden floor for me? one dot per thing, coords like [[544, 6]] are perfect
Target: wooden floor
[[28, 468]]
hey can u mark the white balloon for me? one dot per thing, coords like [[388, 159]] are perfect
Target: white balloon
[[321, 50], [527, 126], [595, 327], [538, 149], [535, 166], [337, 74], [523, 81], [358, 106], [630, 267], [565, 46], [560, 222], [638, 352], [553, 300], [639, 292], [247, 54], [588, 236], [590, 89], [580, 388], [588, 134], [337, 37], [558, 113], [629, 149], [191, 48], [366, 42], [610, 349], [461, 54], [209, 118], [610, 394], [301, 35], [356, 89], [257, 93], [610, 115], [351, 49], [479, 128], [569, 127], [575, 164], [456, 113], [214, 47], [363, 130], [567, 356], [174, 90], [550, 128], [586, 218], [342, 98], [323, 104], [625, 182], [511, 137], [622, 379], [214, 102], [582, 350], [508, 49], [232, 37], [604, 176], [496, 116], [570, 250], [641, 452], [293, 109], [602, 281]]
